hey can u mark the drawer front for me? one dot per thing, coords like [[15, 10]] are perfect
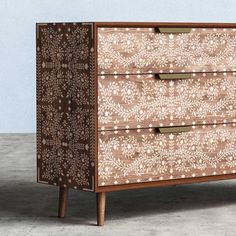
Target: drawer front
[[142, 101], [143, 50], [144, 155]]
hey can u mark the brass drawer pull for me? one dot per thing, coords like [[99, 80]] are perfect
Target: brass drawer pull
[[173, 76], [167, 30], [174, 129]]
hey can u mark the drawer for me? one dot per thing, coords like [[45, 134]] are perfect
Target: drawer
[[142, 101], [146, 50], [133, 156]]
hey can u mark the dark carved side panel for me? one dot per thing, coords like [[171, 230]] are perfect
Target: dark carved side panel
[[66, 105]]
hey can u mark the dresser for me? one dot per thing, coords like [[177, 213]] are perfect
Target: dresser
[[134, 105]]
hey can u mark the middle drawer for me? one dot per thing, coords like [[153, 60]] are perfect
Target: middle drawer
[[141, 101]]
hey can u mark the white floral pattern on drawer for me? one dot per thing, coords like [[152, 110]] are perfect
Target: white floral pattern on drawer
[[133, 156], [142, 50], [141, 101]]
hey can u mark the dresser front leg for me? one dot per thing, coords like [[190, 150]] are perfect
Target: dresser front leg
[[101, 205], [63, 195]]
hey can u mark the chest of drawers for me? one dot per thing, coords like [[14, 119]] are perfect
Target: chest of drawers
[[134, 105]]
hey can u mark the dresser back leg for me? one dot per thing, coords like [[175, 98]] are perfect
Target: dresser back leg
[[101, 205], [63, 195]]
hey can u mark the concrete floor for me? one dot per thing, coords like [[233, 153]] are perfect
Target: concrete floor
[[28, 208]]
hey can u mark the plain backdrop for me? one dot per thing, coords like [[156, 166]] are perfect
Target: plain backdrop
[[17, 39]]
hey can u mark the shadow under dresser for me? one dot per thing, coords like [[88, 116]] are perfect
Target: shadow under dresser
[[133, 105]]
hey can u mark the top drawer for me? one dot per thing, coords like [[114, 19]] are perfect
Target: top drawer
[[146, 50]]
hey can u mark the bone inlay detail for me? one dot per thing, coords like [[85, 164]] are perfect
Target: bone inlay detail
[[126, 158], [144, 50], [138, 101]]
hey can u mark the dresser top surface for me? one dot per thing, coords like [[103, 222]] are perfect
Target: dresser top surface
[[152, 24]]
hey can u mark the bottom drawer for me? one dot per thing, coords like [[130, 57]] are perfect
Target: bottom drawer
[[144, 155]]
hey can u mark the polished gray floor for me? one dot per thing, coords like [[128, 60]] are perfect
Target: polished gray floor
[[28, 208]]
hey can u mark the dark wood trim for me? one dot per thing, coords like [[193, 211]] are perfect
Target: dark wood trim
[[63, 196], [166, 24], [96, 106], [101, 205], [165, 183], [37, 103]]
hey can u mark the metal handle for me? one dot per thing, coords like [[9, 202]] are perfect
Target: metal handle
[[167, 30], [174, 129], [173, 76]]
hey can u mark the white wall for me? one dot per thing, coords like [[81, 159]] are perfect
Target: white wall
[[17, 39]]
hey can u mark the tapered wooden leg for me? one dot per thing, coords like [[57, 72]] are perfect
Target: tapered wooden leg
[[63, 195], [101, 205]]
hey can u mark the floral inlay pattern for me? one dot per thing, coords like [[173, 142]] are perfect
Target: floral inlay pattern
[[65, 105], [142, 50], [142, 100], [130, 156], [124, 144]]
